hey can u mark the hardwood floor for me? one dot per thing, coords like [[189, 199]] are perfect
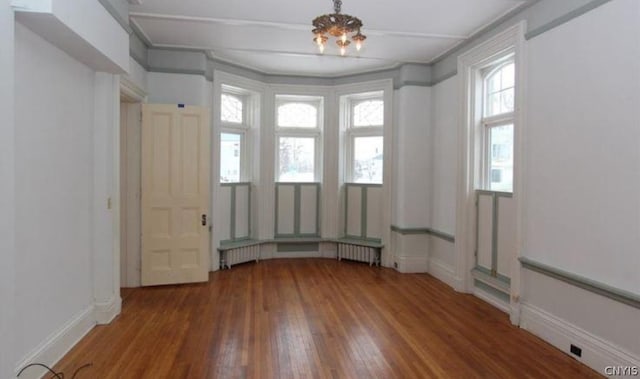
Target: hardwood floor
[[313, 318]]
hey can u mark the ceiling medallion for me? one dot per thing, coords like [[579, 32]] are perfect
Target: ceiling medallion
[[340, 26]]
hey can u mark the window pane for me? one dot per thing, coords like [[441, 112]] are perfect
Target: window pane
[[230, 145], [367, 159], [231, 109], [501, 159], [508, 75], [297, 115], [368, 113], [296, 159], [506, 103], [499, 91]]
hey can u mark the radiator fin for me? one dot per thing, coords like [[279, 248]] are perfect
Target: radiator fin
[[240, 255], [370, 255]]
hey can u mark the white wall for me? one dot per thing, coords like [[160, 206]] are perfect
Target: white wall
[[106, 199], [412, 161], [582, 173], [54, 105], [411, 176], [7, 193], [444, 153], [443, 149], [582, 168], [178, 89]]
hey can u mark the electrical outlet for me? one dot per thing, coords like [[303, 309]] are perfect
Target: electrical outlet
[[575, 350]]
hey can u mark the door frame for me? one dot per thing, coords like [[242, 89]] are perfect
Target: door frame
[[129, 92]]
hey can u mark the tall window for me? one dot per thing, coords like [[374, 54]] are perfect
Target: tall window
[[365, 124], [497, 121], [233, 135], [299, 128]]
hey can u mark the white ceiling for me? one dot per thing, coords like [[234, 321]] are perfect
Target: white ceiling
[[274, 36]]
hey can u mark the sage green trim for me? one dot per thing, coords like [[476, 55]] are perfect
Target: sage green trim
[[363, 211], [249, 223], [318, 200], [432, 232], [495, 207], [232, 229], [296, 209], [167, 70], [233, 208], [500, 277], [616, 294], [241, 242], [359, 242], [443, 78], [365, 239], [228, 245], [276, 211], [413, 83], [298, 247], [364, 188], [496, 293], [494, 282], [116, 16], [494, 235], [442, 235], [296, 239], [565, 18], [409, 231]]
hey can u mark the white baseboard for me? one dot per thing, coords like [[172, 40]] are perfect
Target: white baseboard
[[596, 352], [105, 312], [412, 265], [443, 272], [52, 349]]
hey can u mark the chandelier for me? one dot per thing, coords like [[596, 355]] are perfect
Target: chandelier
[[340, 26]]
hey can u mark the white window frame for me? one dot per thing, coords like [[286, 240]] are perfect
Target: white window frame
[[300, 132], [349, 102], [470, 63], [242, 129], [489, 122]]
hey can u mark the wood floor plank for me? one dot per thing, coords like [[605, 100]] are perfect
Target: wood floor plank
[[313, 318]]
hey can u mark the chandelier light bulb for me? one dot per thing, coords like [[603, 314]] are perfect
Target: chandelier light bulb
[[343, 27]]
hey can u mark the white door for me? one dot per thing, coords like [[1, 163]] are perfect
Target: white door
[[175, 194]]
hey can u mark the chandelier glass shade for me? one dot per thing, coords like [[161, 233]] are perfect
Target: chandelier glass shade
[[343, 27]]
